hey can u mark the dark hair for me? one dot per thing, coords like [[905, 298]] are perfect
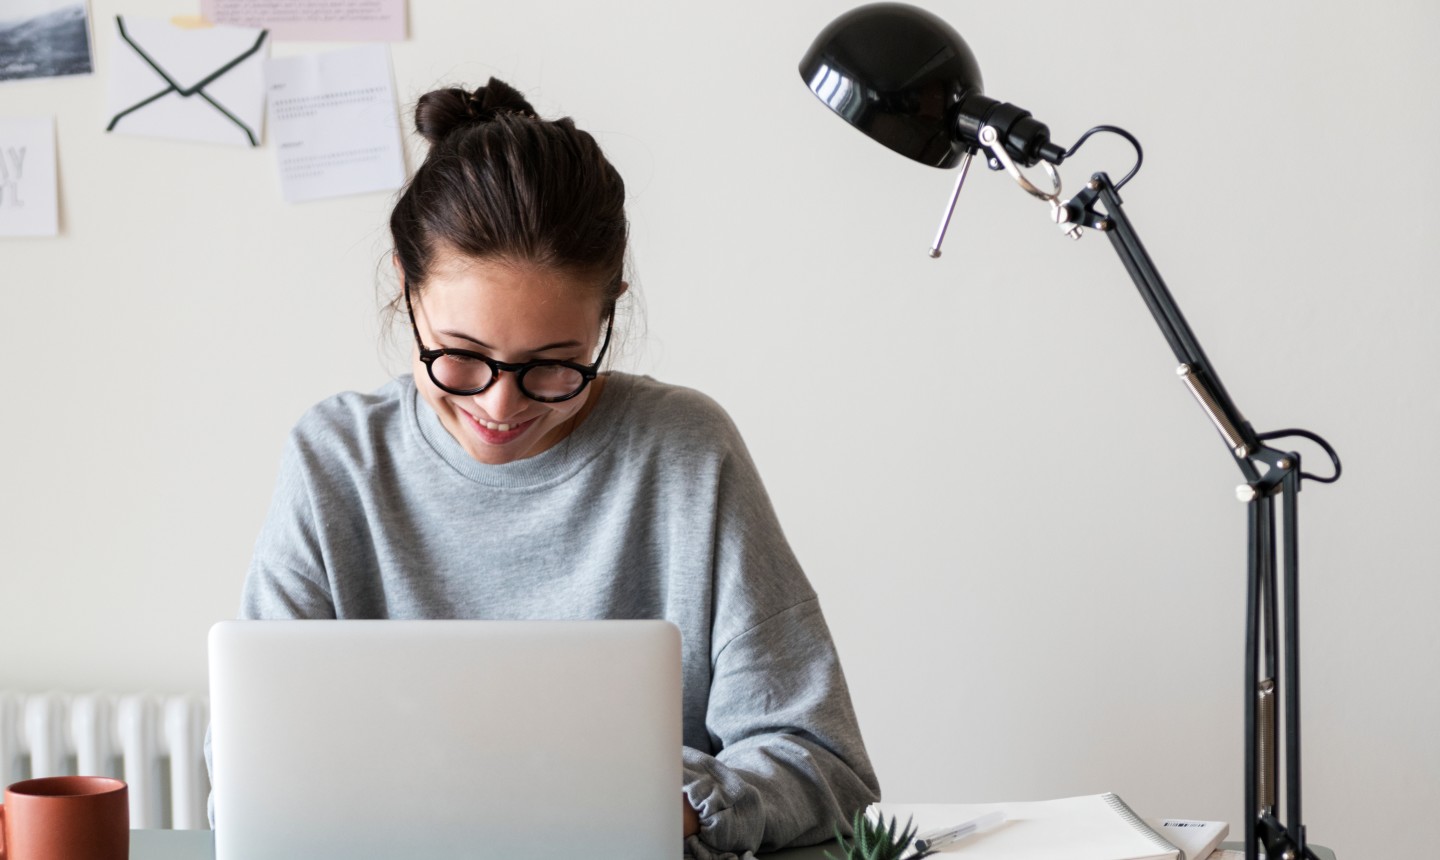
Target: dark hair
[[500, 183]]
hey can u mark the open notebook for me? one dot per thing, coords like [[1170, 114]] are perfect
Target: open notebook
[[1092, 827]]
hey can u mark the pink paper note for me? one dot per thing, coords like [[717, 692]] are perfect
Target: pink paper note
[[314, 20]]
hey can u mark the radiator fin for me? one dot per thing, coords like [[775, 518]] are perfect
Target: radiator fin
[[155, 743]]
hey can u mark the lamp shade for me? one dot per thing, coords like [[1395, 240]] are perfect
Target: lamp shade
[[897, 73]]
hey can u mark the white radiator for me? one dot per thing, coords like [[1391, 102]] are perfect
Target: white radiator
[[154, 743]]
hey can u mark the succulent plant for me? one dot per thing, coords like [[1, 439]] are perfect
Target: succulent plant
[[874, 838]]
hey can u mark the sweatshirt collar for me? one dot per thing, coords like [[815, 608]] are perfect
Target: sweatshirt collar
[[549, 466]]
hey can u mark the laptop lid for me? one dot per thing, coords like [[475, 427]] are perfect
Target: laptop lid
[[446, 739]]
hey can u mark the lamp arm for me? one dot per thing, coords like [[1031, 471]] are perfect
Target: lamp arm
[[1270, 688], [1195, 369], [1266, 681]]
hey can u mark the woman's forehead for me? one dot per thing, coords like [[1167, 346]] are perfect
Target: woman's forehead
[[515, 294], [505, 272]]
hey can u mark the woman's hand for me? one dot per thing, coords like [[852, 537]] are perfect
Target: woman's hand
[[692, 818]]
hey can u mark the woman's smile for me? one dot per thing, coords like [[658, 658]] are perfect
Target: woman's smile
[[497, 433]]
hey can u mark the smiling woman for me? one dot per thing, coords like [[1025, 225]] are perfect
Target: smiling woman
[[508, 477], [543, 323]]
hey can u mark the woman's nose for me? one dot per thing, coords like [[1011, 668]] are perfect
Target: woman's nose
[[503, 399]]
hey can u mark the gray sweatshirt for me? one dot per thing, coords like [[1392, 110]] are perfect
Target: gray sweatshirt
[[651, 508]]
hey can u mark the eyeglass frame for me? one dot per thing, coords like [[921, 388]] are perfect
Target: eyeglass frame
[[428, 356]]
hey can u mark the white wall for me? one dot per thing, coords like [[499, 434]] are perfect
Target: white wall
[[1023, 530]]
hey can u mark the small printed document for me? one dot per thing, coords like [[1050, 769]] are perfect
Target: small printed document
[[1197, 839], [29, 204], [314, 20], [334, 123]]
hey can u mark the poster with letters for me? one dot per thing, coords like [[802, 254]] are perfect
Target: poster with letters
[[29, 203]]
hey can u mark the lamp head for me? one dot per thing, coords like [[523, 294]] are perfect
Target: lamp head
[[907, 79], [897, 73]]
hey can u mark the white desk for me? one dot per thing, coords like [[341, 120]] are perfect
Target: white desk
[[172, 844], [200, 845]]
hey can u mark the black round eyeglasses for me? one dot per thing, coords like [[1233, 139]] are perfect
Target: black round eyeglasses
[[462, 372]]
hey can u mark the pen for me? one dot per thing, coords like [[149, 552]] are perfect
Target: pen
[[937, 838]]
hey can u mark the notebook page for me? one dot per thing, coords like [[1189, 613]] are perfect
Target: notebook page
[[1090, 827]]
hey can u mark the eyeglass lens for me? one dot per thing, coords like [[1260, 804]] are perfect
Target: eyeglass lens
[[463, 373]]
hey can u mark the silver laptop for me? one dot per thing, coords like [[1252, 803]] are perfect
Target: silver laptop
[[513, 740]]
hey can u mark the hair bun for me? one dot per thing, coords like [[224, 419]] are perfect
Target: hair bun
[[498, 97], [439, 113]]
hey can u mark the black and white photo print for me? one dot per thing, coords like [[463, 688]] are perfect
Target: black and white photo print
[[44, 39]]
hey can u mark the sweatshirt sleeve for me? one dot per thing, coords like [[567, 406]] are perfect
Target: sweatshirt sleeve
[[791, 765], [786, 764], [287, 577]]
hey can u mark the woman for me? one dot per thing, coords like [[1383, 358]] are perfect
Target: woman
[[507, 477]]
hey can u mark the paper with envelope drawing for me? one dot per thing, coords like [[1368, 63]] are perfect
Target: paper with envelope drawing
[[334, 123], [28, 205], [204, 85]]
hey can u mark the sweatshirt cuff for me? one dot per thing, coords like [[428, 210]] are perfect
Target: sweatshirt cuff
[[731, 812]]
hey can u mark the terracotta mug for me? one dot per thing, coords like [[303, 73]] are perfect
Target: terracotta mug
[[65, 818]]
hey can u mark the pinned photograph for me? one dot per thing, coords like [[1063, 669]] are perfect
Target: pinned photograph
[[44, 39]]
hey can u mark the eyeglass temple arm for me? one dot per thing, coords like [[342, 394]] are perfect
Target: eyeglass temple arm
[[609, 328], [410, 311]]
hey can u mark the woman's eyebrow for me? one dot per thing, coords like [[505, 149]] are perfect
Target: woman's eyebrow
[[564, 344]]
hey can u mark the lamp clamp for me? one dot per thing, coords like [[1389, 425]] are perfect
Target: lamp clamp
[[998, 158]]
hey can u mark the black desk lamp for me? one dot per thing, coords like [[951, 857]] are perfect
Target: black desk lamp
[[907, 79]]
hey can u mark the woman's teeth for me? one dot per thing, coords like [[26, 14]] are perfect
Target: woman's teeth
[[491, 425]]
